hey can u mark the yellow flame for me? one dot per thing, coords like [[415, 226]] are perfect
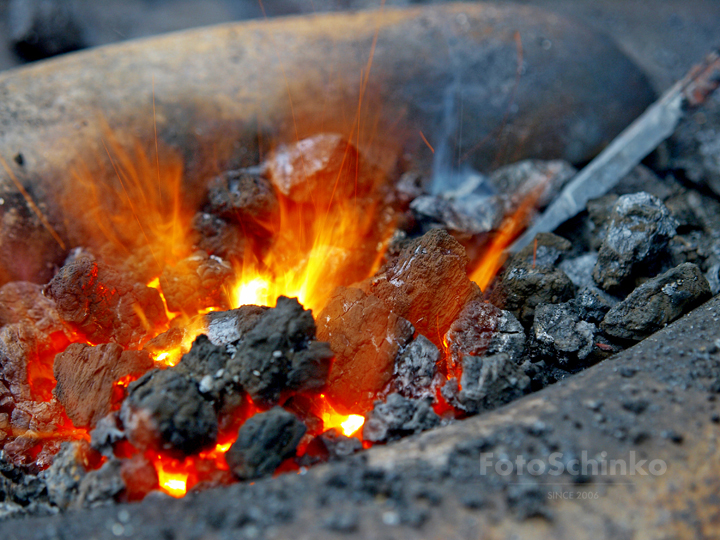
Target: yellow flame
[[348, 424], [353, 423], [172, 483]]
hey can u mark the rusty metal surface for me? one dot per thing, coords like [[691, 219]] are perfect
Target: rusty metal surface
[[674, 375], [226, 94]]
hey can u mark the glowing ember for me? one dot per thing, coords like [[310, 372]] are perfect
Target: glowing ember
[[348, 424]]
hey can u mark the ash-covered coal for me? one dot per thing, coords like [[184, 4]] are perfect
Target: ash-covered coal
[[398, 417], [166, 412], [638, 233], [281, 353], [263, 442], [104, 305], [487, 382], [416, 375], [226, 327], [483, 329], [366, 338]]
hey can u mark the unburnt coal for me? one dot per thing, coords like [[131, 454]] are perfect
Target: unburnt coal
[[639, 231], [486, 383], [263, 442], [165, 411], [104, 305], [657, 303], [696, 145], [86, 376], [337, 445], [366, 338], [427, 284], [101, 486], [559, 334], [398, 417], [197, 282], [593, 304], [525, 285], [63, 477]]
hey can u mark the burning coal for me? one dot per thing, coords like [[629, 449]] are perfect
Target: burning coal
[[303, 309]]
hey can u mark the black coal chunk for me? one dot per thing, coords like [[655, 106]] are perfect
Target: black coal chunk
[[107, 432], [546, 249], [246, 198], [657, 303], [226, 327], [593, 304], [541, 374], [366, 338], [196, 283], [263, 442], [483, 329], [86, 375], [486, 383], [207, 365], [559, 335], [165, 411], [105, 306], [528, 282], [415, 373], [399, 417], [639, 231], [696, 145], [216, 236], [280, 352]]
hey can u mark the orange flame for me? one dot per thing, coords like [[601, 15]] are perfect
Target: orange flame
[[494, 256]]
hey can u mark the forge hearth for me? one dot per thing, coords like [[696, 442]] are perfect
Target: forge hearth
[[283, 288]]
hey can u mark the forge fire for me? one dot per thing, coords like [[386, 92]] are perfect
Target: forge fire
[[304, 309], [297, 314]]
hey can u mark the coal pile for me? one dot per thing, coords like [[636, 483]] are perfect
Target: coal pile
[[119, 378]]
